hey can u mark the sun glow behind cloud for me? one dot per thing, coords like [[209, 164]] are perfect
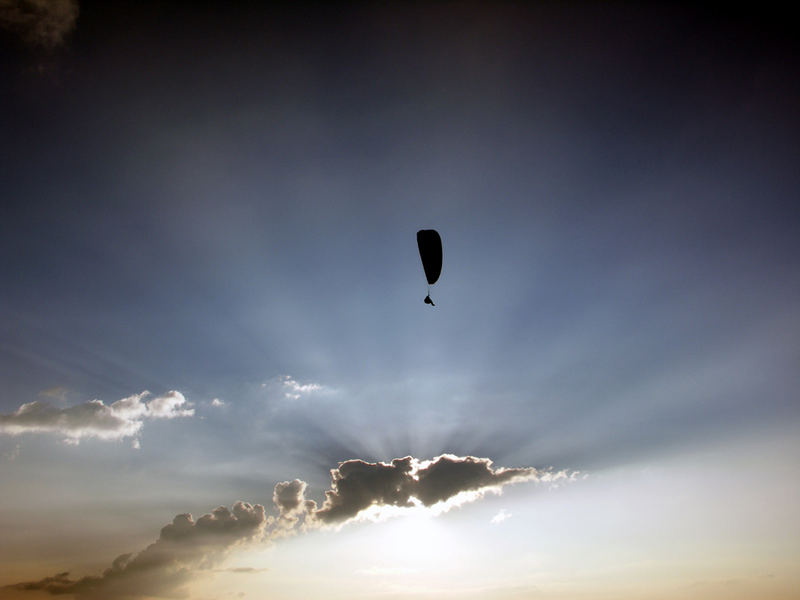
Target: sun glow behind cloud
[[408, 554], [691, 527], [360, 492]]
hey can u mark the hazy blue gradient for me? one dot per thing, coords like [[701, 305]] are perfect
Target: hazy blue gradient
[[207, 200]]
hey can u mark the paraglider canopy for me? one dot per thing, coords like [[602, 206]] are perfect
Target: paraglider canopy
[[430, 251]]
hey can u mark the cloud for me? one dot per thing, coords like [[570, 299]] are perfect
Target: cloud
[[39, 22], [217, 402], [168, 406], [501, 516], [287, 387], [442, 482], [168, 564], [241, 570], [289, 497], [293, 390], [356, 485], [186, 547], [94, 419]]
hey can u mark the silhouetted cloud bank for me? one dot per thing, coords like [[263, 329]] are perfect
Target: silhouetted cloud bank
[[186, 546], [405, 482], [166, 565]]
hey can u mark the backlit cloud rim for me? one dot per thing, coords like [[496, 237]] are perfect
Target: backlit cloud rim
[[360, 491]]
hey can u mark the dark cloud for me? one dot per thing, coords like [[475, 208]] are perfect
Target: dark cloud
[[39, 22], [356, 485], [290, 501], [60, 583], [289, 496], [186, 546], [165, 566], [95, 419], [448, 475]]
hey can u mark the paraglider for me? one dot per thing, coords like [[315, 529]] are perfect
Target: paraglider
[[430, 251]]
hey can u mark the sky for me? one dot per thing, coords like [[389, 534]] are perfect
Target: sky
[[218, 377]]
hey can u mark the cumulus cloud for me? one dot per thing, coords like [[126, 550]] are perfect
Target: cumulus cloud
[[216, 402], [95, 419], [168, 406], [442, 482], [167, 565], [39, 22], [288, 497], [187, 547]]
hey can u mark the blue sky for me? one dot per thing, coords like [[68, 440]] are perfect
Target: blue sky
[[223, 202]]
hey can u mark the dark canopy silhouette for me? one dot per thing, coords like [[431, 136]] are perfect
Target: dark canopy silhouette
[[430, 251]]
